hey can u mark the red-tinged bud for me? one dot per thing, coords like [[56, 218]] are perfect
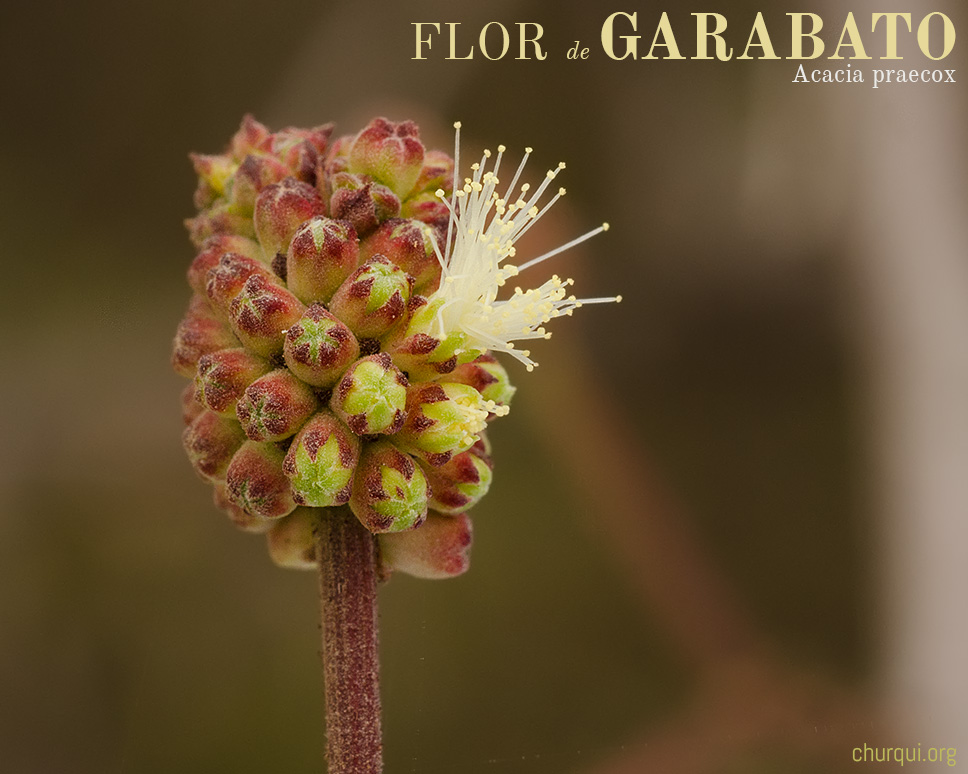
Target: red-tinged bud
[[389, 490], [437, 549], [251, 136], [292, 540], [410, 245], [275, 406], [223, 376], [191, 408], [319, 347], [372, 396], [461, 482], [373, 299], [218, 219], [246, 522], [253, 175], [280, 209], [390, 153], [442, 420], [437, 173], [213, 174], [322, 254], [255, 481], [321, 460], [199, 333], [301, 150], [211, 253], [488, 377], [227, 278], [429, 209], [262, 313], [210, 442], [362, 202]]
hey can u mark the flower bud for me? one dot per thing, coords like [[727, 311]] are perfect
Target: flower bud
[[321, 460], [442, 419], [301, 150], [280, 209], [437, 174], [410, 245], [253, 175], [251, 136], [275, 406], [223, 376], [213, 174], [360, 201], [199, 333], [227, 278], [292, 540], [262, 313], [415, 350], [429, 209], [372, 396], [322, 254], [255, 481], [246, 522], [461, 482], [218, 219], [390, 153], [487, 376], [191, 408], [389, 490], [318, 347], [437, 549], [210, 442], [211, 253], [373, 299]]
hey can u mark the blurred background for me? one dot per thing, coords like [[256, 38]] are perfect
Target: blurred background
[[728, 523]]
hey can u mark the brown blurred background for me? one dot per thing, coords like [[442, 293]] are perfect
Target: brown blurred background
[[728, 525]]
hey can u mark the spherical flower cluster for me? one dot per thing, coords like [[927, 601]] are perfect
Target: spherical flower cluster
[[344, 302]]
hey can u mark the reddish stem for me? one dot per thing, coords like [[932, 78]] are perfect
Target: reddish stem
[[347, 589]]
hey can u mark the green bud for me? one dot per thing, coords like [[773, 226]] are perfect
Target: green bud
[[461, 482], [292, 540], [275, 406], [256, 483], [372, 396], [373, 299], [301, 150], [389, 490], [214, 172], [442, 419], [210, 442], [321, 460], [218, 219], [390, 153], [280, 209], [253, 175], [251, 136], [223, 376], [322, 254], [318, 347], [262, 313], [415, 349], [437, 549], [487, 376], [410, 245]]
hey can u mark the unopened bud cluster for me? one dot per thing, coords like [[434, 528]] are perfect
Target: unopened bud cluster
[[318, 376]]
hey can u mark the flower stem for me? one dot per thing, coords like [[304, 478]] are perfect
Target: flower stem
[[346, 552]]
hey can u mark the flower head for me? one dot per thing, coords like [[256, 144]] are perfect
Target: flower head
[[484, 225]]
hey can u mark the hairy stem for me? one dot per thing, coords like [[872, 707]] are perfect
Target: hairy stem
[[347, 589]]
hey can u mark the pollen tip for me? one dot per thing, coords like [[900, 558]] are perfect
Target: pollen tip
[[618, 299], [529, 150], [561, 192], [501, 149], [605, 227], [439, 193], [457, 124]]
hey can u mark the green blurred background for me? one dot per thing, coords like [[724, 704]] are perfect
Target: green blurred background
[[698, 552]]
